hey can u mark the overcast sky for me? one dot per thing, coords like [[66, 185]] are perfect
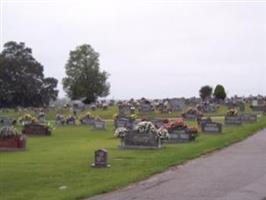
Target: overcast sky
[[151, 48]]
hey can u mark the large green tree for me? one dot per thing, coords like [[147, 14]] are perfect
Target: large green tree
[[22, 82], [219, 92], [84, 79], [205, 92]]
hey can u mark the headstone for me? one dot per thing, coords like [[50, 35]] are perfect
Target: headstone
[[100, 159], [241, 106], [178, 135], [124, 122], [99, 124], [249, 118], [177, 104], [36, 129], [233, 120], [145, 108], [87, 121], [211, 127], [135, 140]]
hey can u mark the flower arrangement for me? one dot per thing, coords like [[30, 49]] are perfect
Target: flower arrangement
[[27, 119], [177, 124], [59, 119], [192, 111], [144, 127], [70, 119], [120, 132], [8, 131], [232, 112]]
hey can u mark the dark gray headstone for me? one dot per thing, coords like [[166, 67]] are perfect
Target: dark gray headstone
[[178, 136], [135, 140], [177, 104], [100, 159], [232, 120], [145, 108], [249, 118], [211, 127]]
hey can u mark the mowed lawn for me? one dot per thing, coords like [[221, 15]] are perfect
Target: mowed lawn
[[58, 167]]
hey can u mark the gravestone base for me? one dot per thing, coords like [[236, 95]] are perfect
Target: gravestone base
[[13, 144], [100, 166]]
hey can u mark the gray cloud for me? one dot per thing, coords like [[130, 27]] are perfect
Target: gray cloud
[[150, 48]]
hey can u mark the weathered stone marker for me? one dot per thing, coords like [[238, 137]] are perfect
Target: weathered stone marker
[[211, 127], [100, 159]]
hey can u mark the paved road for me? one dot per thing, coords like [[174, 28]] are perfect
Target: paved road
[[235, 173]]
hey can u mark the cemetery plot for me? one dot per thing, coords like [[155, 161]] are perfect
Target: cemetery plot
[[211, 127], [36, 129]]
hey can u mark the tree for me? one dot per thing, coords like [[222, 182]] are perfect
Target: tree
[[22, 82], [205, 92], [219, 92], [84, 79]]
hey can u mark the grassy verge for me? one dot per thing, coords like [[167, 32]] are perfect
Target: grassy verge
[[64, 160]]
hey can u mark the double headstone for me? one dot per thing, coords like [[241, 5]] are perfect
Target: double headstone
[[135, 140], [233, 120]]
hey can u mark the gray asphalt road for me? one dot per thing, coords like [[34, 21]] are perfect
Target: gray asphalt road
[[235, 173]]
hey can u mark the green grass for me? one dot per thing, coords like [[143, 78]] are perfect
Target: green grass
[[64, 160]]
